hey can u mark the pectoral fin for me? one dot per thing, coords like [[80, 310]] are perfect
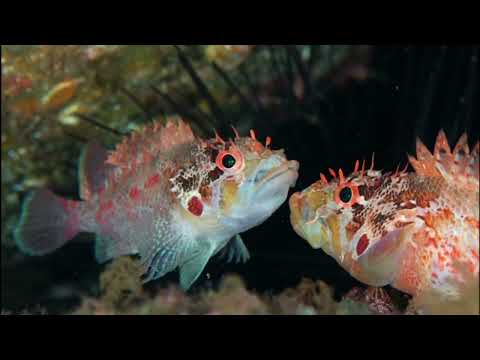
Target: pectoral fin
[[235, 251], [191, 270]]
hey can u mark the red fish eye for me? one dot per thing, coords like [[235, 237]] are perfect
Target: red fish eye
[[362, 244], [346, 194], [229, 161]]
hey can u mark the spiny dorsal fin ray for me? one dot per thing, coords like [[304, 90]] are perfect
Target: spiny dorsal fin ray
[[473, 164], [460, 166], [141, 147], [425, 161], [442, 150]]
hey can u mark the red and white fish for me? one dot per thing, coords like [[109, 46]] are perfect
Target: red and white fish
[[418, 232], [166, 195]]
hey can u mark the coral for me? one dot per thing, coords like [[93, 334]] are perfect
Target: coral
[[230, 298], [351, 307], [93, 307], [233, 298], [120, 283], [309, 298], [373, 301], [37, 311]]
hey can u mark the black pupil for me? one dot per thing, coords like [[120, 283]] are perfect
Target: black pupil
[[228, 161], [346, 194]]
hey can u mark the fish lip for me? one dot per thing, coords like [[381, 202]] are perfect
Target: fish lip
[[289, 166]]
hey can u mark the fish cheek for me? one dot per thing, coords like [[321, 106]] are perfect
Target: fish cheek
[[380, 263], [229, 194], [333, 224]]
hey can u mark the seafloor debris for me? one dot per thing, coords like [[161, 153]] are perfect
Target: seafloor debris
[[308, 298], [374, 301], [120, 283], [231, 298]]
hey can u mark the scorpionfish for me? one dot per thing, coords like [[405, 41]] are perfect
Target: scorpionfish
[[167, 196], [416, 231]]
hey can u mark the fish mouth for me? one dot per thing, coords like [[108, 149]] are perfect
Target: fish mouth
[[304, 221], [288, 168], [296, 204]]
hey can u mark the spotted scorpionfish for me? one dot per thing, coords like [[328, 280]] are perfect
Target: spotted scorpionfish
[[166, 195], [416, 231]]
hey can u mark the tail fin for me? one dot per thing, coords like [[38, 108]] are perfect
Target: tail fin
[[47, 222]]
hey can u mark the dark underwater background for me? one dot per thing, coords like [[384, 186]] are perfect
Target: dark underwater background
[[326, 105]]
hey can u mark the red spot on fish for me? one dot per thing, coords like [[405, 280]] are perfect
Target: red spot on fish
[[69, 205], [152, 181], [106, 206], [195, 206], [441, 258], [455, 253], [475, 253], [101, 190], [473, 222], [362, 244], [134, 193], [432, 241], [103, 211]]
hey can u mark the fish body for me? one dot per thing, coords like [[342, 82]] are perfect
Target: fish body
[[417, 231], [166, 195]]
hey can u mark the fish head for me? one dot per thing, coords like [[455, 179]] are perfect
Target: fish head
[[238, 183], [255, 182], [356, 220]]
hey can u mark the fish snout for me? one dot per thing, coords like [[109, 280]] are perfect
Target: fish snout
[[293, 166], [296, 204]]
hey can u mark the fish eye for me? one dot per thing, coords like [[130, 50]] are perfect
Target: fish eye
[[345, 194], [228, 161]]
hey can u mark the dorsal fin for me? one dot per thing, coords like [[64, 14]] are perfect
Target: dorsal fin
[[141, 147], [459, 166], [92, 169]]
